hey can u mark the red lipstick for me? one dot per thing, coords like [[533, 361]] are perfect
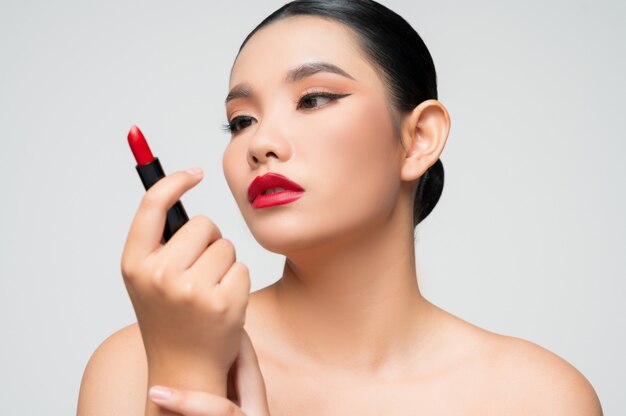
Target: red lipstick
[[262, 192], [139, 146], [150, 171]]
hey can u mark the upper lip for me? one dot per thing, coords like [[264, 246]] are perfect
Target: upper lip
[[270, 180]]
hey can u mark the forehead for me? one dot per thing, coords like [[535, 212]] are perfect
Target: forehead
[[291, 41]]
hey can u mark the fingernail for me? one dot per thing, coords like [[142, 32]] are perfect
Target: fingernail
[[160, 393], [195, 171]]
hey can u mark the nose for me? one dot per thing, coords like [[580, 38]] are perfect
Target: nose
[[266, 145]]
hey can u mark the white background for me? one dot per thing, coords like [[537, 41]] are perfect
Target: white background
[[527, 240]]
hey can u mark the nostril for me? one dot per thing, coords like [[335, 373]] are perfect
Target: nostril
[[268, 155]]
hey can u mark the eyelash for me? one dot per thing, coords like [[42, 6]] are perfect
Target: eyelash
[[233, 128]]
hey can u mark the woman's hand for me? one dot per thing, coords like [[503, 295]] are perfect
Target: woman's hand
[[247, 393], [189, 295]]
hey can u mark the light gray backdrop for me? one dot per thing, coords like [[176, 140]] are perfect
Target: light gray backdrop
[[528, 238]]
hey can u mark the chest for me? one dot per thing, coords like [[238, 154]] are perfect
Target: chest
[[308, 393]]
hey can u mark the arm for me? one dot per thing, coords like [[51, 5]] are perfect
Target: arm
[[115, 378], [246, 391], [189, 294], [115, 382]]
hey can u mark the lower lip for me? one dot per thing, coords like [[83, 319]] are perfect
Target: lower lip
[[277, 198]]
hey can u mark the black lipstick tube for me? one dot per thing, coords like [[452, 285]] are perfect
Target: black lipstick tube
[[150, 173]]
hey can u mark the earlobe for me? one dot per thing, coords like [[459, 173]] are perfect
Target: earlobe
[[424, 134]]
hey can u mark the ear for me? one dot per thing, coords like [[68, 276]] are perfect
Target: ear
[[424, 134]]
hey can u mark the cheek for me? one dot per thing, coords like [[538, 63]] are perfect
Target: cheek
[[233, 165], [356, 154]]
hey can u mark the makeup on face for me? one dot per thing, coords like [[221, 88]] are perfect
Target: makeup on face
[[150, 171], [273, 189]]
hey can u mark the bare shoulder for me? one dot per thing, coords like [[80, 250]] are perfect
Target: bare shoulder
[[537, 381], [115, 378]]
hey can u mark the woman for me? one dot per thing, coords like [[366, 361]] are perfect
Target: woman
[[334, 159]]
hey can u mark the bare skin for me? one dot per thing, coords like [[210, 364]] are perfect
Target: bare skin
[[475, 373], [345, 330]]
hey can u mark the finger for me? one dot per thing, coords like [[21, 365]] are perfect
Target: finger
[[190, 241], [249, 381], [212, 264], [193, 403], [146, 230], [234, 287]]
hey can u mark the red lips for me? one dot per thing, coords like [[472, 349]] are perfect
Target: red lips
[[289, 192]]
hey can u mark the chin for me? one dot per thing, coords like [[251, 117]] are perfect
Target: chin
[[285, 234], [294, 235]]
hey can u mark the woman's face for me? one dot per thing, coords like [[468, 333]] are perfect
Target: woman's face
[[342, 151]]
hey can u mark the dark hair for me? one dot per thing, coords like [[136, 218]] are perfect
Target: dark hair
[[399, 55]]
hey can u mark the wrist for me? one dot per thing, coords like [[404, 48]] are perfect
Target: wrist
[[209, 380]]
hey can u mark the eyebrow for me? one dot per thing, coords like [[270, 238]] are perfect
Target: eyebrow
[[293, 75]]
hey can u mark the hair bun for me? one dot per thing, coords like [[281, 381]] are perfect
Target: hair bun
[[428, 192]]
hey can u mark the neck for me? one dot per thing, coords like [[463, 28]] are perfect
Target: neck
[[354, 304]]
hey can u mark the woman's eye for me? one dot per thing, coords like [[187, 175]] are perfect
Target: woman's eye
[[238, 123], [308, 101], [318, 99]]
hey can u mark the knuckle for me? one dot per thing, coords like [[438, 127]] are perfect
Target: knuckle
[[242, 273], [219, 306], [247, 283], [132, 273], [208, 224], [128, 272], [151, 199], [184, 294], [203, 221], [159, 276], [242, 269], [226, 246]]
